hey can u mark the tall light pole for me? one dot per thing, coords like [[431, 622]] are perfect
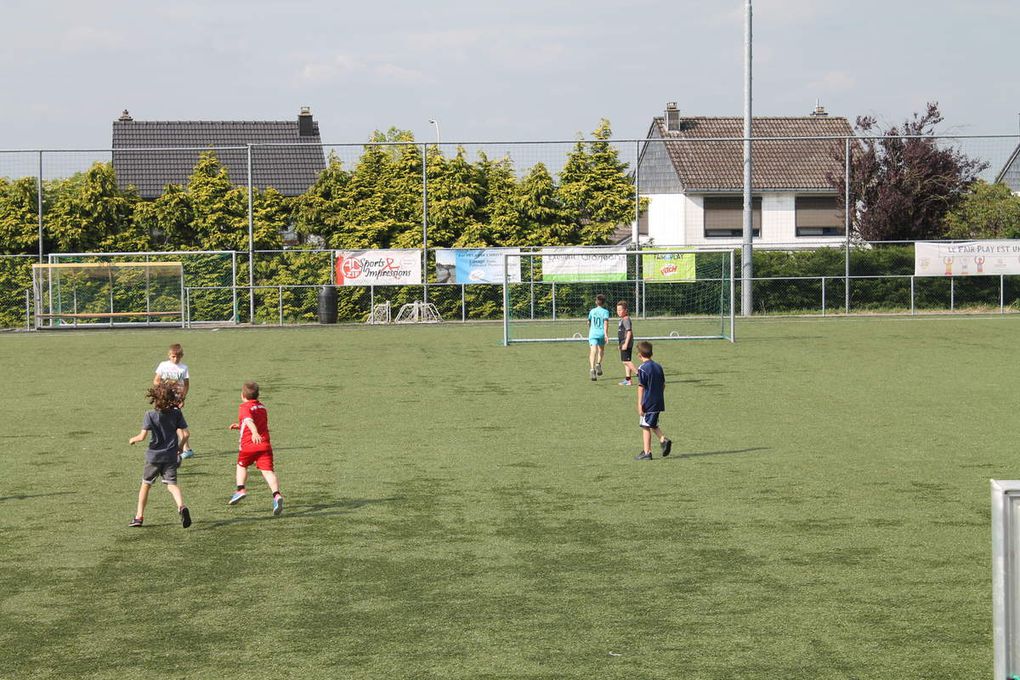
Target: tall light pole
[[746, 266], [436, 124]]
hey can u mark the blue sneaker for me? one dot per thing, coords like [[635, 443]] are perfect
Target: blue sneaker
[[277, 505], [237, 497], [644, 455], [187, 454]]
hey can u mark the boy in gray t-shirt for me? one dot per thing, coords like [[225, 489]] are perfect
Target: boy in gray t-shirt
[[168, 436]]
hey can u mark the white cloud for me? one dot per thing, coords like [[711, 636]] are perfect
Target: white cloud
[[84, 38], [345, 67], [834, 81], [335, 68]]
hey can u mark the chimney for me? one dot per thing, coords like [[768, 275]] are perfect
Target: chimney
[[304, 120], [819, 111], [672, 117], [125, 117]]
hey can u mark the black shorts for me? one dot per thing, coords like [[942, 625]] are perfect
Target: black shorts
[[625, 353], [168, 471]]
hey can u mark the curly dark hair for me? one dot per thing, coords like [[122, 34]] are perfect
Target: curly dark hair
[[163, 396]]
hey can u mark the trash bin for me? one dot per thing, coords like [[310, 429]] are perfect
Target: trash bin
[[327, 304]]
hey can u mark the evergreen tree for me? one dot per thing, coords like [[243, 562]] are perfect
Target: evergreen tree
[[543, 218], [19, 220], [595, 187], [89, 212]]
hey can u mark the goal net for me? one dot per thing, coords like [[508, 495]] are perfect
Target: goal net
[[108, 294], [671, 294]]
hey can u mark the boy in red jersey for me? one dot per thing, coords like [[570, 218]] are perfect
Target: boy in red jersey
[[253, 422]]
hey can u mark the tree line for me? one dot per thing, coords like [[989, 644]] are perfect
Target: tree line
[[377, 203]]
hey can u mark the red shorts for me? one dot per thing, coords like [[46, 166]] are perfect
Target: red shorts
[[263, 459]]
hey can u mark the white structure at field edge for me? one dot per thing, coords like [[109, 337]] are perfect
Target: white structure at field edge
[[694, 186]]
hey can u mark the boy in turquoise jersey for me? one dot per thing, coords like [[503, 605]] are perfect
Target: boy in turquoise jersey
[[598, 330]]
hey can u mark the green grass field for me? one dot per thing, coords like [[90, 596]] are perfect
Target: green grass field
[[456, 509]]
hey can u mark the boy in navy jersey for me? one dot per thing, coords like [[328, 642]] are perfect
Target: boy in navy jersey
[[253, 422], [650, 402]]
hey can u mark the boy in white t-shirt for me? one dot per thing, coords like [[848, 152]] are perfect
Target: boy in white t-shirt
[[175, 372]]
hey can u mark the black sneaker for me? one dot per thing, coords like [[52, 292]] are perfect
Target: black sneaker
[[644, 455], [593, 375], [667, 446], [185, 517], [598, 369], [135, 522]]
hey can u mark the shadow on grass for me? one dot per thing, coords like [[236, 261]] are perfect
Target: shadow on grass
[[700, 454], [25, 497], [333, 509]]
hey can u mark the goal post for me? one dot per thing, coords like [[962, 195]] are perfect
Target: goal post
[[96, 294], [671, 293]]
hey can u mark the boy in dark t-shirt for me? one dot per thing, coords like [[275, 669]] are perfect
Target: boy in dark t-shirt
[[625, 335], [651, 402], [168, 432]]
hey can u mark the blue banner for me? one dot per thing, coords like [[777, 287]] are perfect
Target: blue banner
[[477, 265]]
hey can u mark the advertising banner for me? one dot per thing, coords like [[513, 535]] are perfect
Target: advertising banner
[[967, 258], [378, 267], [584, 264], [477, 266], [668, 267]]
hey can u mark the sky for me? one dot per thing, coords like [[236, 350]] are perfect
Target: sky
[[494, 70]]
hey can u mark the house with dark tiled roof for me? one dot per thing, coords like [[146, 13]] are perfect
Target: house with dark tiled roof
[[1010, 173], [694, 183], [149, 154]]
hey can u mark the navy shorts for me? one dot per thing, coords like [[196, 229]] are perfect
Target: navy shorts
[[625, 354], [649, 419]]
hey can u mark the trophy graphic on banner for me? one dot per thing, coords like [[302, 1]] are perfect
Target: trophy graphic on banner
[[949, 265], [980, 261]]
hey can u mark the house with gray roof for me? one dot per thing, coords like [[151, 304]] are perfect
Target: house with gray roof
[[1010, 173], [691, 171], [150, 154]]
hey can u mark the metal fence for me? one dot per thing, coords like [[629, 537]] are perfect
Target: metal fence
[[229, 298]]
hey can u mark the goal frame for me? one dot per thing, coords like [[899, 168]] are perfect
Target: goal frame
[[45, 311], [729, 314]]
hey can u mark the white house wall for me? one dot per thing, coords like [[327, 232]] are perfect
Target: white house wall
[[679, 220]]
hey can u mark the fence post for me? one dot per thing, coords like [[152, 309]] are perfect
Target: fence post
[[251, 245], [911, 295], [425, 220], [846, 220], [187, 305], [28, 312], [463, 304], [39, 203], [531, 261], [823, 296], [554, 300], [1002, 299], [371, 303], [952, 293], [280, 291]]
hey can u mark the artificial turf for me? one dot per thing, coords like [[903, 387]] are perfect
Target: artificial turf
[[457, 509]]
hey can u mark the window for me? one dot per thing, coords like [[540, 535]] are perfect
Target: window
[[724, 216], [819, 216]]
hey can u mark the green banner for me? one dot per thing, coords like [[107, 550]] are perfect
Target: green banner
[[673, 267]]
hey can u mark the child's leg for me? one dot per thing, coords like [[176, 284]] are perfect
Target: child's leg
[[658, 433], [143, 497], [242, 476], [629, 369], [646, 440], [592, 353], [175, 491], [272, 481]]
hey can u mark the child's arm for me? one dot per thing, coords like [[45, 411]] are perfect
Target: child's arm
[[640, 398], [256, 438], [629, 338], [184, 389], [182, 439], [139, 437]]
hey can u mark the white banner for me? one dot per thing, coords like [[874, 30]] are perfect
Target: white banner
[[967, 258], [584, 264], [378, 267]]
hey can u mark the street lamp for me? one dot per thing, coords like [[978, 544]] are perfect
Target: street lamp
[[436, 123]]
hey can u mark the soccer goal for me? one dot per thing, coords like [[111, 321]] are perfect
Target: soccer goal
[[672, 294], [97, 294]]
